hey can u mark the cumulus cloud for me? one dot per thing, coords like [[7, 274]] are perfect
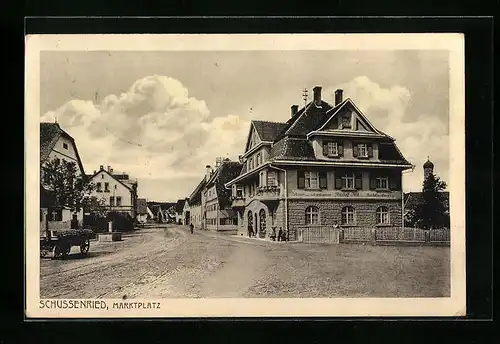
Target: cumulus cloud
[[387, 109], [153, 130]]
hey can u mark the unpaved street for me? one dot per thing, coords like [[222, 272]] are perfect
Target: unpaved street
[[170, 262]]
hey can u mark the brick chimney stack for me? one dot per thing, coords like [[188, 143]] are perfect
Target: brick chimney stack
[[338, 97], [317, 95], [293, 110]]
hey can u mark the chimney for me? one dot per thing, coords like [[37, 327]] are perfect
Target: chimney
[[208, 172], [294, 110], [101, 167], [338, 97], [109, 168], [317, 95], [95, 171]]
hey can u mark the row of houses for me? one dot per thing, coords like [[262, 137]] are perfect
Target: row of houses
[[328, 164], [116, 190]]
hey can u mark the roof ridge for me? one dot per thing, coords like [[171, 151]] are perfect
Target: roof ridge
[[261, 120]]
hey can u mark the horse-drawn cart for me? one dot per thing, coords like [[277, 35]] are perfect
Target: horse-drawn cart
[[60, 242]]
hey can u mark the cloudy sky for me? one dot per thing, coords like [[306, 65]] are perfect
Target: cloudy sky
[[163, 116]]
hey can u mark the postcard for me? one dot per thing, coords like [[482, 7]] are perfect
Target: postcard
[[245, 175]]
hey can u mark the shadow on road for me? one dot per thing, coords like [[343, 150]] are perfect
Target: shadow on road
[[78, 256]]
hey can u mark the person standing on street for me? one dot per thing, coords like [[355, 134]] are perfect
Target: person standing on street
[[191, 227]]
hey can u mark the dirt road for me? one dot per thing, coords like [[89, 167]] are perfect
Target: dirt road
[[170, 262]]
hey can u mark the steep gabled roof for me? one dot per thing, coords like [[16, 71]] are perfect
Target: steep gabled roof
[[267, 130], [292, 149], [129, 184], [195, 196], [179, 206], [49, 135], [227, 171], [307, 119]]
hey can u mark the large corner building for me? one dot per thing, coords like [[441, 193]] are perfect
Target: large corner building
[[326, 165]]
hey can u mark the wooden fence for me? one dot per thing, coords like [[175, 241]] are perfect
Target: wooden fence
[[380, 235], [399, 234], [319, 234], [356, 234]]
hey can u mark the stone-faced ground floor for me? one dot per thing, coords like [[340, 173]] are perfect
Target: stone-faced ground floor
[[261, 217]]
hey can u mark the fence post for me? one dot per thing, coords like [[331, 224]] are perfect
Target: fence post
[[427, 236], [341, 235], [373, 238]]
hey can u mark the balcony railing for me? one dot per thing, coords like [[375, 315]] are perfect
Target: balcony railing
[[268, 192], [238, 201]]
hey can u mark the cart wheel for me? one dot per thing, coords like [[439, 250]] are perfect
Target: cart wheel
[[61, 250], [85, 246], [43, 252]]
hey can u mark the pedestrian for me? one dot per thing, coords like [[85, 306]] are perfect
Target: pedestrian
[[280, 235], [191, 227], [273, 234]]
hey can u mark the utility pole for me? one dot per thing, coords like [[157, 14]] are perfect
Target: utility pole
[[305, 97]]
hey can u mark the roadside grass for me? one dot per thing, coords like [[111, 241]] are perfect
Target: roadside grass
[[352, 270]]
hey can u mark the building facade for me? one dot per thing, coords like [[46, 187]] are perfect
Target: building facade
[[179, 211], [56, 145], [117, 190], [216, 198], [326, 165], [196, 205]]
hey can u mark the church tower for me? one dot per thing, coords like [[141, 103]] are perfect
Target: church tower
[[428, 168]]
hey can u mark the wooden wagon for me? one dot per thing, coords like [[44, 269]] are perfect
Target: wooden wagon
[[60, 242]]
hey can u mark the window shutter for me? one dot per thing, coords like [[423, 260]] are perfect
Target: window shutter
[[354, 150], [358, 181], [338, 181], [373, 181], [341, 149], [323, 184], [301, 179], [370, 151], [325, 148], [394, 179]]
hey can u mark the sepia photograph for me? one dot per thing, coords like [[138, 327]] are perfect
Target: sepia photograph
[[245, 175]]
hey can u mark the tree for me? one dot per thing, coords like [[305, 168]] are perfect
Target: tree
[[68, 187], [95, 206], [431, 210]]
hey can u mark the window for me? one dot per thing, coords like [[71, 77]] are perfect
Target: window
[[239, 192], [259, 159], [312, 216], [333, 149], [271, 179], [348, 181], [111, 201], [250, 164], [65, 145], [106, 187], [362, 150], [348, 217], [55, 215], [102, 176], [382, 183], [118, 201], [98, 187], [311, 181], [46, 177], [382, 215]]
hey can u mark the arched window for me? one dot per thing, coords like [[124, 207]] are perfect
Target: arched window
[[262, 219], [382, 215], [250, 221], [312, 215], [348, 215]]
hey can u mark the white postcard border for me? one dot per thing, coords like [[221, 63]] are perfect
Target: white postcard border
[[452, 306]]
